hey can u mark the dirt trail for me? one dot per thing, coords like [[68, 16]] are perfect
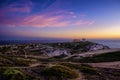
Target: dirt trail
[[92, 53], [34, 65], [115, 64]]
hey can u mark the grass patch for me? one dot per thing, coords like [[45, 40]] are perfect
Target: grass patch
[[59, 72], [14, 74], [85, 68], [12, 61]]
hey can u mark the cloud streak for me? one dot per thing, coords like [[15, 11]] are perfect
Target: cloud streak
[[24, 7], [82, 22], [11, 16], [44, 20]]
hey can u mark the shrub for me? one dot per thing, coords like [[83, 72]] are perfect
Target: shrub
[[13, 74], [87, 69], [59, 72]]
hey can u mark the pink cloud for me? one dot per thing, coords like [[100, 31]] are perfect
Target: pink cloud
[[91, 22], [16, 7], [51, 19], [11, 21], [8, 10], [71, 13], [21, 9], [8, 16], [1, 31], [74, 16], [45, 21], [83, 22]]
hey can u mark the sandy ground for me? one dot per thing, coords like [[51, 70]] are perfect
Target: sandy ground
[[115, 65], [93, 53]]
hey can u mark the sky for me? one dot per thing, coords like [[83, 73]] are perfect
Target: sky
[[64, 19]]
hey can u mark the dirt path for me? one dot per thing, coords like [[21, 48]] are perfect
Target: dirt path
[[115, 64], [92, 53], [34, 65]]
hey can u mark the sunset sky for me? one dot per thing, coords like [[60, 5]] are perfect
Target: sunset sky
[[37, 19]]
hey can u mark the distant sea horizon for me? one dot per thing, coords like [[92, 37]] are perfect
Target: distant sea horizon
[[110, 43], [107, 42]]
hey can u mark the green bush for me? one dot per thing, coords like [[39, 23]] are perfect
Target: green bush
[[59, 72], [13, 74]]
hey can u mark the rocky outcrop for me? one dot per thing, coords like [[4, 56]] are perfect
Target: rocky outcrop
[[57, 52], [72, 48], [95, 47]]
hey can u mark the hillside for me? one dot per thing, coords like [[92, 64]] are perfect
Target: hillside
[[42, 62]]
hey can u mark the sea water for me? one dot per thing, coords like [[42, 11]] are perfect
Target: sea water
[[110, 43]]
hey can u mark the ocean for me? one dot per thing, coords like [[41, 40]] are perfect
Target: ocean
[[110, 43]]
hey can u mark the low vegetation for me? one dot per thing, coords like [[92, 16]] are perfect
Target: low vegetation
[[59, 72], [13, 74], [12, 61], [87, 69]]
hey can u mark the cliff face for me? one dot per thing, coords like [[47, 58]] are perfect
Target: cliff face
[[95, 47], [56, 52]]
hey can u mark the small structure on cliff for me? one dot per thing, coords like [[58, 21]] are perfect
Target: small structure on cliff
[[76, 40]]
